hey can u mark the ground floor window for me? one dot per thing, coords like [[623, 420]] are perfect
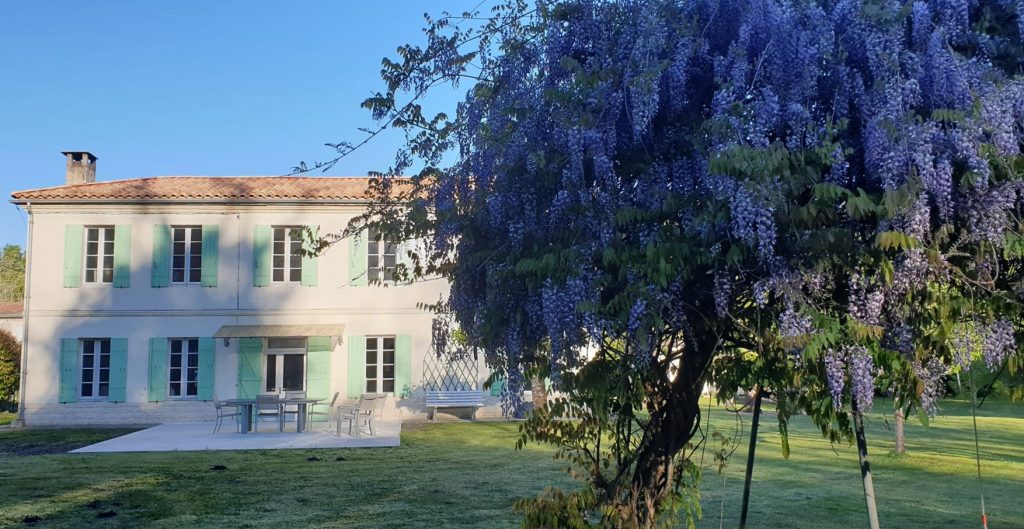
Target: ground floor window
[[95, 368], [183, 373], [380, 364]]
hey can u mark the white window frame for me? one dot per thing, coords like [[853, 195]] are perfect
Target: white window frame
[[101, 244], [183, 370], [378, 254], [292, 238], [377, 377], [95, 370], [189, 232]]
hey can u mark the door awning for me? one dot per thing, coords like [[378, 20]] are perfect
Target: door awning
[[280, 331]]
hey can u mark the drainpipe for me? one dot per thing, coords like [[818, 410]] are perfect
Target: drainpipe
[[20, 419]]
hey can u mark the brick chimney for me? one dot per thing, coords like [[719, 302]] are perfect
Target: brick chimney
[[81, 168]]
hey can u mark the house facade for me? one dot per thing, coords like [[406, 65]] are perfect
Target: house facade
[[148, 298]]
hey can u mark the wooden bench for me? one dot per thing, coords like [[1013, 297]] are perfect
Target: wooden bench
[[454, 399]]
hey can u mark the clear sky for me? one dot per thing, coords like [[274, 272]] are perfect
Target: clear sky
[[192, 87]]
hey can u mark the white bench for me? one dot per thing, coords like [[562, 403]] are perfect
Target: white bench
[[454, 399]]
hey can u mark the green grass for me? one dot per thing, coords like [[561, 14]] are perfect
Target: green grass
[[468, 475], [6, 417]]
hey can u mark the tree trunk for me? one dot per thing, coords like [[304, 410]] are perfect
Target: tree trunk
[[901, 419], [539, 392]]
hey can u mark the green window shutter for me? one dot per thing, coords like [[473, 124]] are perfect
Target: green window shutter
[[356, 365], [318, 367], [73, 257], [497, 385], [309, 264], [207, 359], [161, 255], [157, 369], [122, 255], [211, 259], [118, 367], [68, 370], [250, 357], [403, 365], [357, 259], [261, 240]]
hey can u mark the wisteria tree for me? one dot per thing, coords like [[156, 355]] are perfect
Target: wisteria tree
[[806, 196]]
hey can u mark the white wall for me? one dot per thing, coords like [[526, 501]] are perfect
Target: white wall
[[141, 311]]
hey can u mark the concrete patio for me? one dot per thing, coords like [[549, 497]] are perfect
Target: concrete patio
[[197, 436]]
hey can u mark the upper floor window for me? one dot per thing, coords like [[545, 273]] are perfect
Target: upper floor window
[[187, 254], [95, 381], [287, 265], [99, 254], [380, 258]]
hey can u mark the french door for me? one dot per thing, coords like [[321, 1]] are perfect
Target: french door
[[284, 365]]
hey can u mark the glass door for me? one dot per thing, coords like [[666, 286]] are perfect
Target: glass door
[[284, 367]]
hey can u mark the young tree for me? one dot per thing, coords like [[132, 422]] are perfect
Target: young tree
[[799, 195], [12, 273], [10, 365]]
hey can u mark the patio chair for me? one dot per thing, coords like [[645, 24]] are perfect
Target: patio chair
[[362, 413], [327, 414], [292, 409], [269, 406], [224, 411]]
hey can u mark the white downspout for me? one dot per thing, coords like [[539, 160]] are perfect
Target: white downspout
[[20, 419]]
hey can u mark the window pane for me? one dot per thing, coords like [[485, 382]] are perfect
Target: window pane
[[176, 373], [194, 261], [108, 247], [371, 372], [279, 248], [389, 357], [179, 235], [389, 261], [389, 342], [390, 248], [178, 261], [295, 261], [179, 248], [108, 234], [191, 388], [389, 372], [372, 248], [178, 276], [195, 275], [371, 357], [293, 372], [193, 345], [286, 343], [93, 234], [104, 390], [90, 276], [197, 234], [87, 375], [278, 234], [105, 347], [372, 274], [174, 389], [278, 274], [175, 346], [175, 360], [193, 374], [86, 390], [388, 386], [91, 248], [90, 262], [108, 261], [295, 275], [87, 361], [371, 386], [104, 375], [271, 372], [278, 261], [105, 361]]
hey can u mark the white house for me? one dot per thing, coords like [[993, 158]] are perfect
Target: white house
[[146, 297]]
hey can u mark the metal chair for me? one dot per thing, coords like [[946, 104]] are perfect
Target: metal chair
[[224, 413], [327, 414], [360, 414], [269, 406]]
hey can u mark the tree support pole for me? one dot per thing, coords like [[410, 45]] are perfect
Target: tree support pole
[[750, 456], [865, 468]]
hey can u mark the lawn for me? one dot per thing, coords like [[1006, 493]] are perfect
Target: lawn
[[468, 475], [6, 417]]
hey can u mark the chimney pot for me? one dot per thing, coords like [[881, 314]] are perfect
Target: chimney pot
[[81, 168]]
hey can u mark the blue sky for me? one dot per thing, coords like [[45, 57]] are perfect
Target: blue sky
[[192, 88]]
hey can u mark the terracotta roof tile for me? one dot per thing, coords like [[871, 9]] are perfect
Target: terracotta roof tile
[[11, 308], [206, 188]]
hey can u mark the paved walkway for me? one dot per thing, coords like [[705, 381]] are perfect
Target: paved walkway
[[197, 436]]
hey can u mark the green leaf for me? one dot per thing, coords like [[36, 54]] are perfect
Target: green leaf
[[922, 416], [784, 435]]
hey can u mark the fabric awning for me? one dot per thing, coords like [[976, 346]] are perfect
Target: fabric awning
[[280, 331]]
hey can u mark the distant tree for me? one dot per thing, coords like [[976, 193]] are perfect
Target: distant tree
[[10, 365], [12, 273]]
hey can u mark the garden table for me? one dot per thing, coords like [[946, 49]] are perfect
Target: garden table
[[246, 406], [303, 405]]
